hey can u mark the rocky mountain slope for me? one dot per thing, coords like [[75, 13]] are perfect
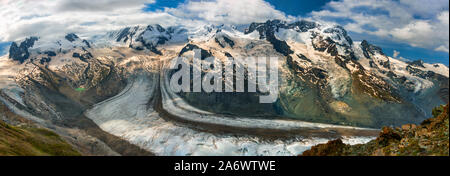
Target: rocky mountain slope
[[430, 138], [113, 90]]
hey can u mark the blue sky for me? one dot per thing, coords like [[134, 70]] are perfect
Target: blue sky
[[414, 29], [298, 7], [161, 4], [3, 47]]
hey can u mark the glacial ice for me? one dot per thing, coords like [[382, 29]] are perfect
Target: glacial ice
[[127, 115]]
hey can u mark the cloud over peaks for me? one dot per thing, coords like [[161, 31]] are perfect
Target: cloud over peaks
[[419, 23], [228, 11], [23, 18]]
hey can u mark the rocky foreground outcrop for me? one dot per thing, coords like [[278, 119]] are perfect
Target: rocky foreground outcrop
[[430, 138]]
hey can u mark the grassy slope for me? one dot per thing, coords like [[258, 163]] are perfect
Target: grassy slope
[[28, 140], [430, 138]]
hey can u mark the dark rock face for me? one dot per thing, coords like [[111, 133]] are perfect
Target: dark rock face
[[280, 46], [385, 64], [267, 31], [87, 43], [218, 42], [319, 73], [369, 48], [341, 30], [44, 60], [417, 63], [123, 35], [322, 45], [50, 53], [224, 40], [160, 28], [229, 41], [71, 37], [20, 52], [311, 74], [83, 57], [274, 25], [292, 65], [302, 26], [190, 47], [367, 83], [420, 73], [228, 54], [303, 57]]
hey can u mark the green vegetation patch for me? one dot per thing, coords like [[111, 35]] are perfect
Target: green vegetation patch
[[80, 89], [31, 141]]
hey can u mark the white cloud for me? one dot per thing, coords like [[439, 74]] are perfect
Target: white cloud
[[425, 8], [395, 20], [419, 23], [396, 53], [442, 48], [413, 31], [228, 11], [101, 5], [425, 33], [53, 18], [22, 18]]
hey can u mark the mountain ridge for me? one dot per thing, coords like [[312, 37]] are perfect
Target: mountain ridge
[[368, 68], [327, 81]]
